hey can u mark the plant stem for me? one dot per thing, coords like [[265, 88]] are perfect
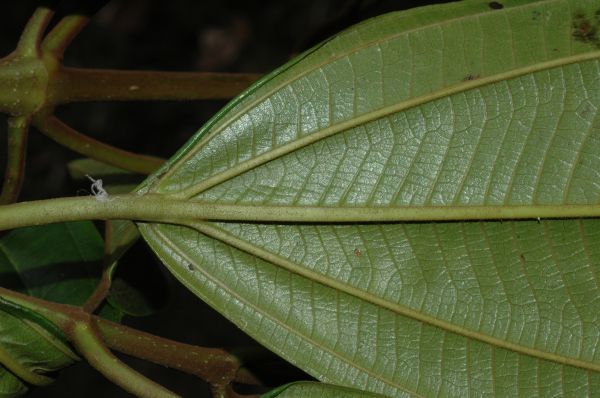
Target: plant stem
[[119, 236], [99, 294], [75, 84], [89, 344], [59, 38], [213, 365], [29, 42], [18, 128], [87, 146], [164, 209]]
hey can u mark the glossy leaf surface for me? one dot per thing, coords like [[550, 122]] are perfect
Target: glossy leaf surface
[[461, 105]]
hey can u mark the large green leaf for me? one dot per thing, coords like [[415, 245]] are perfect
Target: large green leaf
[[468, 105]]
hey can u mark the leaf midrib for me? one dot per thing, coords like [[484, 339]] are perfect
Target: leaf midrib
[[198, 267], [368, 117], [224, 236]]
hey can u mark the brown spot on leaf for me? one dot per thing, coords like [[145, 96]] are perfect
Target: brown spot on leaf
[[495, 5], [470, 77], [584, 30], [357, 252]]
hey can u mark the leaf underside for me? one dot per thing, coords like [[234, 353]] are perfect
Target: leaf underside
[[313, 389], [454, 105]]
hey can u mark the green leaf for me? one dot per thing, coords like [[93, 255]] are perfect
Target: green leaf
[[452, 107], [79, 169], [57, 262], [307, 389], [10, 386]]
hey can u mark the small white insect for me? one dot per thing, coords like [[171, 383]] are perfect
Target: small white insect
[[97, 189]]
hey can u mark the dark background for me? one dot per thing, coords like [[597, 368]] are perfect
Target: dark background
[[179, 35]]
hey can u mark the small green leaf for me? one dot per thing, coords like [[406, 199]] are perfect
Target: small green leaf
[[466, 105], [10, 386], [57, 262], [128, 299]]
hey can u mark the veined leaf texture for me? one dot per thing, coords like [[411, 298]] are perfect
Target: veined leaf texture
[[466, 104]]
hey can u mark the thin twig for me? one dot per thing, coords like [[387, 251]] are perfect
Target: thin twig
[[99, 294], [18, 128], [118, 238], [29, 43], [59, 38], [87, 146]]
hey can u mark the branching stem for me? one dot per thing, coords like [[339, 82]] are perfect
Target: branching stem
[[93, 336], [59, 38], [88, 342]]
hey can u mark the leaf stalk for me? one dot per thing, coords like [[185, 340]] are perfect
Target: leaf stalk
[[18, 128], [163, 209]]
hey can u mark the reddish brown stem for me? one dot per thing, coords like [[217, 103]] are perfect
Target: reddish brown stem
[[213, 365], [75, 84], [103, 286], [87, 146], [86, 338], [99, 294]]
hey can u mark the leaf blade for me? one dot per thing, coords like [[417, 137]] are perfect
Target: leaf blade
[[473, 107]]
